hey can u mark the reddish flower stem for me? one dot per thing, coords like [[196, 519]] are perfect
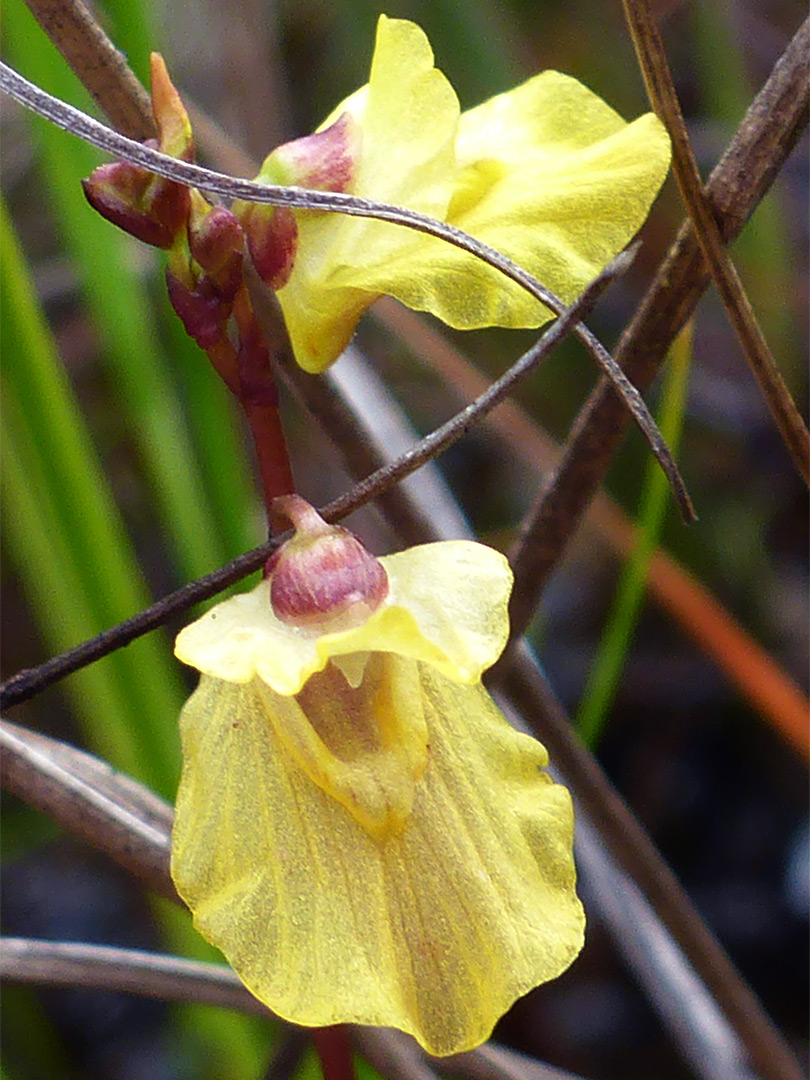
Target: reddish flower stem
[[271, 451], [335, 1052], [258, 396]]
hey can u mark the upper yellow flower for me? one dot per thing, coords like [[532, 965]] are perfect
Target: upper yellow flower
[[547, 174], [358, 828]]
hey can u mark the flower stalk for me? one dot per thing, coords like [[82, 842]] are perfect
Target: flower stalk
[[335, 1052], [204, 276]]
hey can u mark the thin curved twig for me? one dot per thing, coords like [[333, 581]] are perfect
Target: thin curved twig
[[173, 978], [134, 971], [30, 681], [755, 674], [92, 800], [760, 147]]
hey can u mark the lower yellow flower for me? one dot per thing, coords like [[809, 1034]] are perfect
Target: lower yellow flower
[[358, 828]]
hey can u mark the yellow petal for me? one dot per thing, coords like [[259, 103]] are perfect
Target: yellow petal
[[457, 593], [434, 929], [447, 605], [408, 114], [547, 174], [550, 176]]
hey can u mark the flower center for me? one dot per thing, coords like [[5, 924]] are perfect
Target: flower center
[[366, 747]]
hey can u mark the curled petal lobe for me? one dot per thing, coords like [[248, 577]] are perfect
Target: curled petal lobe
[[434, 925], [408, 116], [550, 176]]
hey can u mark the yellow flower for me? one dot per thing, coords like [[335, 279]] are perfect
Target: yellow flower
[[547, 174], [358, 828]]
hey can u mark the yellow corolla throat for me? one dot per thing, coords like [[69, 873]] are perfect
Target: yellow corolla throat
[[364, 746]]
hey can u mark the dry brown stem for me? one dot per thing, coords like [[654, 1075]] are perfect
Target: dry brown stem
[[661, 90], [104, 70]]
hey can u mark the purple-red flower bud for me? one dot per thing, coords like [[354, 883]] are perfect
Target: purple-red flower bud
[[202, 310], [129, 197], [323, 573], [149, 207], [216, 243], [324, 161], [272, 236]]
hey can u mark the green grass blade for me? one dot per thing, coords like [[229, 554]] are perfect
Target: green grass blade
[[147, 398], [600, 689], [42, 560], [69, 544]]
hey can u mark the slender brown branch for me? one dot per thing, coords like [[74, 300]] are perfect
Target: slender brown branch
[[487, 1062], [760, 147], [754, 673], [173, 978], [101, 67], [104, 967], [661, 90], [30, 681], [88, 798]]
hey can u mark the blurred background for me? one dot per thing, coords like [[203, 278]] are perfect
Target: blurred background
[[126, 473]]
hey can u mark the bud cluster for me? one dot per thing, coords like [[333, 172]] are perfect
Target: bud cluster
[[206, 244], [147, 206]]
